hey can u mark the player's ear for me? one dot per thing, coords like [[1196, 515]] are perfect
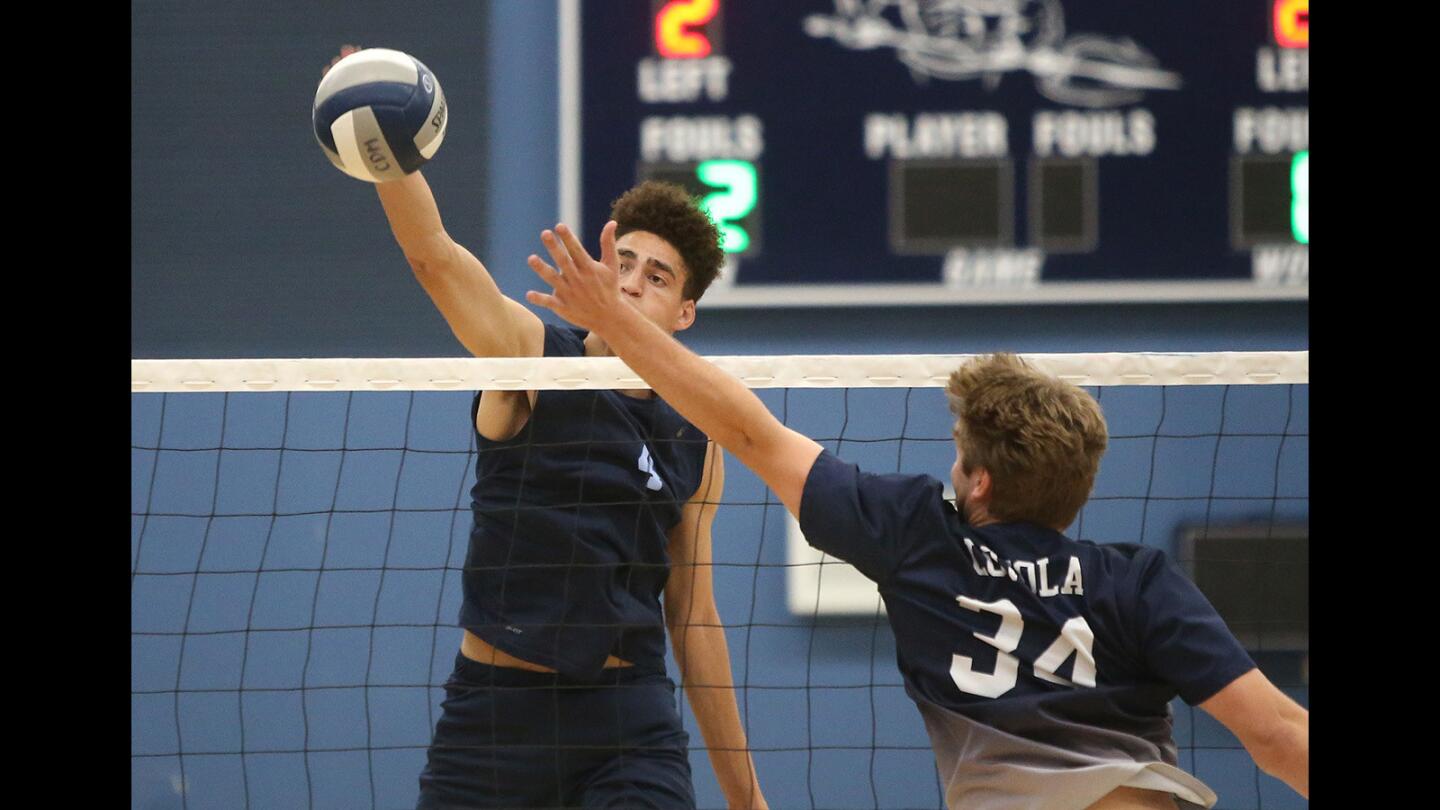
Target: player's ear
[[686, 316], [983, 487]]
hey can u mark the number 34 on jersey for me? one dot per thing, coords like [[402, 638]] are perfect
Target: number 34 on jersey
[[1076, 638]]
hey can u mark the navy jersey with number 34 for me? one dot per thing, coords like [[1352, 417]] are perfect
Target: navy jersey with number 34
[[1042, 666]]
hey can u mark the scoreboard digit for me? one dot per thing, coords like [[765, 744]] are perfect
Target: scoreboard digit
[[729, 190], [1292, 23], [674, 24]]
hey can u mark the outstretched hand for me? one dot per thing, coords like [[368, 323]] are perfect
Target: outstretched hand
[[585, 292]]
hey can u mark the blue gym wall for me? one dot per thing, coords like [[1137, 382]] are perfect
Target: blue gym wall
[[247, 242]]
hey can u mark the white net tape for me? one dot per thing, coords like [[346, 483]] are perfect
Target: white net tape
[[791, 371]]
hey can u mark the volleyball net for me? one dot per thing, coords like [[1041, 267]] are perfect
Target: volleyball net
[[299, 528]]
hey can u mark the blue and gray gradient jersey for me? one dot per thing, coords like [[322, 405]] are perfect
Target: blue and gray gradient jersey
[[1043, 666]]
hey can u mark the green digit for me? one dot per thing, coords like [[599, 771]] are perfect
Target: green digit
[[740, 191], [1300, 197]]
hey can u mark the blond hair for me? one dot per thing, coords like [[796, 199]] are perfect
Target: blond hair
[[1040, 438]]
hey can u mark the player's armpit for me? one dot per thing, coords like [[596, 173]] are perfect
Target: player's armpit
[[1274, 729]]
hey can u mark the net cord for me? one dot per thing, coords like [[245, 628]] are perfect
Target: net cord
[[757, 371]]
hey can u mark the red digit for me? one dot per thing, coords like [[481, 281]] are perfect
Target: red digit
[[671, 36], [1292, 23]]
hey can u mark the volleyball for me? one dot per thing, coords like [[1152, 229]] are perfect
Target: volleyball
[[379, 114]]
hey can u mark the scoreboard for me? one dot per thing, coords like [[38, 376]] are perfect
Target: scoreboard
[[956, 151]]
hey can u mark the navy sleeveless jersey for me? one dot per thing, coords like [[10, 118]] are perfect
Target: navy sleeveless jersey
[[568, 552], [1015, 640]]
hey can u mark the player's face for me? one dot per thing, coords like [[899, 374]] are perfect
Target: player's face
[[652, 277]]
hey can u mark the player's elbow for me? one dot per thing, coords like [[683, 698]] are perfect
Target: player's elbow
[[744, 444], [1283, 751], [686, 613], [761, 438], [431, 256]]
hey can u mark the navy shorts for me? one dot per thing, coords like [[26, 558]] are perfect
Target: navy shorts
[[517, 739]]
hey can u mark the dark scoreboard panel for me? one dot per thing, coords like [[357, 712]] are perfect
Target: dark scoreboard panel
[[921, 151]]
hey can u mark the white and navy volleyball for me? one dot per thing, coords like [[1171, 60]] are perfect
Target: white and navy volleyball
[[379, 114]]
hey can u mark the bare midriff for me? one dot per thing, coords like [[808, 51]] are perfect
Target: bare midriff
[[1128, 798], [478, 650]]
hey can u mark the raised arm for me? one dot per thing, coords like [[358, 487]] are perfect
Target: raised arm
[[1274, 729], [587, 294], [698, 639], [486, 322]]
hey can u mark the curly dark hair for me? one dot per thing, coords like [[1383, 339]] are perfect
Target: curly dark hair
[[670, 213]]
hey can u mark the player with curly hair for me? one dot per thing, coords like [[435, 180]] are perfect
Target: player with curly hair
[[589, 508]]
